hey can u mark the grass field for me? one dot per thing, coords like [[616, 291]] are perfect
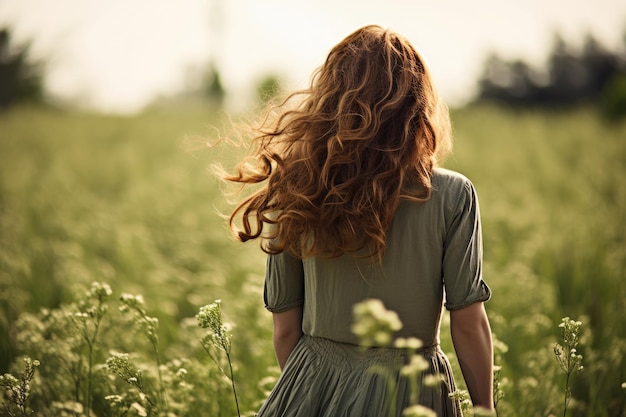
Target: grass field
[[90, 198]]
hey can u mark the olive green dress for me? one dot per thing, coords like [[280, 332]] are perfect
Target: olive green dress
[[433, 259]]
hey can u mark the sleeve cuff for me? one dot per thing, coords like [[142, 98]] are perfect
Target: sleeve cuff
[[280, 309], [483, 295]]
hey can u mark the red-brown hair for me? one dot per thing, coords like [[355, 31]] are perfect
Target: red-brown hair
[[365, 135]]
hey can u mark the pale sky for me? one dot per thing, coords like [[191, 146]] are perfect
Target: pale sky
[[118, 55]]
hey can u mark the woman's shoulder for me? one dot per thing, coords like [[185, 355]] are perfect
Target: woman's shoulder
[[448, 188], [445, 178], [451, 188]]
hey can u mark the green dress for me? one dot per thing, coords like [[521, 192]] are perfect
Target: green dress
[[433, 260]]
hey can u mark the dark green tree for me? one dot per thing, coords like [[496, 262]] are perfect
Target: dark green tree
[[614, 93], [214, 88], [20, 77]]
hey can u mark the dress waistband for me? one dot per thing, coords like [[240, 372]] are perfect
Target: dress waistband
[[344, 352]]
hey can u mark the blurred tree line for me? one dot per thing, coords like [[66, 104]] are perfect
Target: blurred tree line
[[20, 76], [592, 74], [571, 76]]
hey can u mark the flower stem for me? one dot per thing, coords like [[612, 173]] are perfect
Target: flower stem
[[566, 400], [232, 381]]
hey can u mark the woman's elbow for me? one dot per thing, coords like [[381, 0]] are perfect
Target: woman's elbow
[[288, 324], [287, 333], [470, 320]]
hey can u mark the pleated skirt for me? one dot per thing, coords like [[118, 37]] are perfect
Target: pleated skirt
[[323, 378]]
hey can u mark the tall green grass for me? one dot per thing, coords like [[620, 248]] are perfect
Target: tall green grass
[[87, 197], [554, 212]]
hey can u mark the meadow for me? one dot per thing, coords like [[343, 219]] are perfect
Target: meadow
[[111, 241]]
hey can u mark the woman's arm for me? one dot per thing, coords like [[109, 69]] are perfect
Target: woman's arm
[[287, 333], [471, 336]]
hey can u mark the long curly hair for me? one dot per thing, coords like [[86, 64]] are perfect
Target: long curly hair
[[334, 167]]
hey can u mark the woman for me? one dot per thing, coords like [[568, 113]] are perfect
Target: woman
[[354, 207]]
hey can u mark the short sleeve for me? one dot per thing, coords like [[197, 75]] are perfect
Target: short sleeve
[[284, 283], [463, 253]]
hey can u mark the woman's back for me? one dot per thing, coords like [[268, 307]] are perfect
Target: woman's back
[[422, 252]]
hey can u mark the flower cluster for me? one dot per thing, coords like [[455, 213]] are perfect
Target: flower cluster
[[131, 302], [99, 291], [92, 308], [409, 343], [417, 364], [18, 390], [119, 363], [483, 412], [210, 317], [567, 355], [374, 324], [571, 330], [418, 411], [463, 397], [67, 408], [122, 405], [149, 325]]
